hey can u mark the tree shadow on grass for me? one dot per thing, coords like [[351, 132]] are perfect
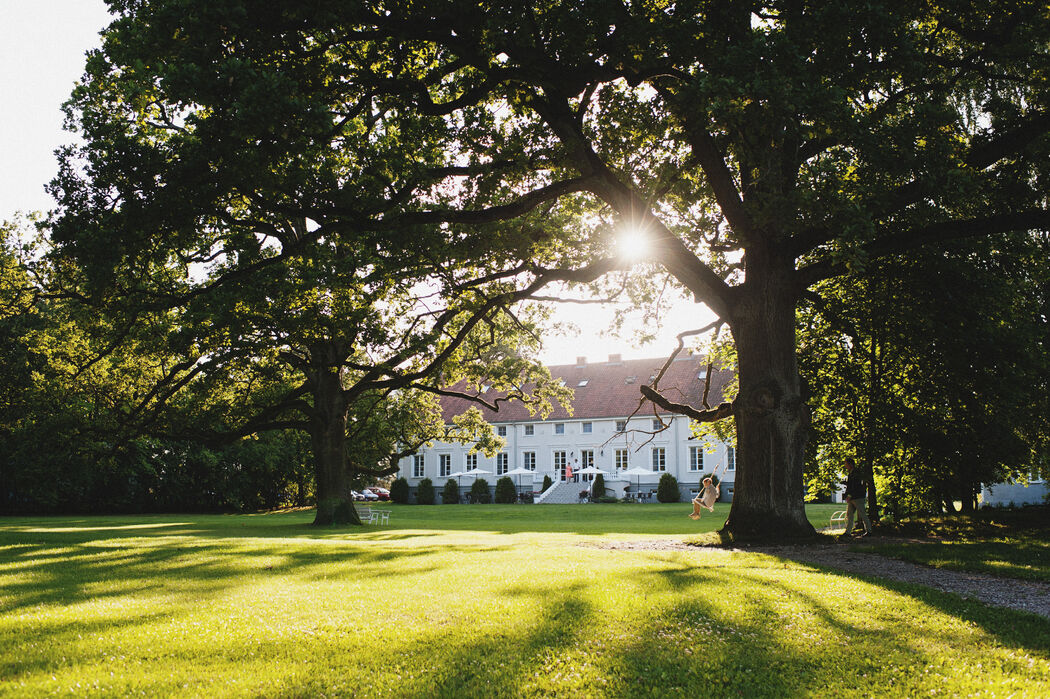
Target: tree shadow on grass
[[1021, 558], [1021, 630], [64, 572], [22, 659]]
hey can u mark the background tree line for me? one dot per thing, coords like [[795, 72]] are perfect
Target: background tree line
[[64, 446], [933, 372]]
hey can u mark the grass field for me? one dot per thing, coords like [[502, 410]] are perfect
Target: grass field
[[474, 601], [1007, 543]]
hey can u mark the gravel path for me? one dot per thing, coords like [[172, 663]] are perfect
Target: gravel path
[[1022, 595]]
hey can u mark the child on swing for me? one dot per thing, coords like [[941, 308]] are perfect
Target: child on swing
[[706, 498]]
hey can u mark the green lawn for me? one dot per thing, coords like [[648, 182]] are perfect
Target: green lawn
[[1007, 543], [474, 601]]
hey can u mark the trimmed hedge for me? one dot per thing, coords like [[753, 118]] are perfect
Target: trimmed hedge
[[399, 491], [667, 490], [450, 493], [425, 492], [598, 487], [506, 492], [479, 492]]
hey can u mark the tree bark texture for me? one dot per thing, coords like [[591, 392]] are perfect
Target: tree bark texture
[[772, 420], [328, 436]]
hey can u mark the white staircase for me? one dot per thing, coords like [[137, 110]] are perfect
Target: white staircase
[[562, 493]]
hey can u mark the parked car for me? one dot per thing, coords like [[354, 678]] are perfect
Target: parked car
[[383, 493], [367, 494], [356, 495]]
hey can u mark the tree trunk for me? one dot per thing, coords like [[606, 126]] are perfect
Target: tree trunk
[[871, 424], [772, 421], [328, 436]]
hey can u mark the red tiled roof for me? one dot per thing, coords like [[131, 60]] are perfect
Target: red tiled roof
[[611, 390]]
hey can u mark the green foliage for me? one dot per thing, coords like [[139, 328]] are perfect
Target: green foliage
[[480, 491], [547, 482], [667, 489], [233, 233], [932, 396], [598, 486], [506, 491], [425, 494], [399, 491], [371, 204], [714, 479], [450, 493]]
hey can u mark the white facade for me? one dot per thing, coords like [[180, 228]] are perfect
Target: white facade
[[1014, 494], [613, 445]]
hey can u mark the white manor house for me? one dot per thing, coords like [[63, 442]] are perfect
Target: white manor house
[[611, 428]]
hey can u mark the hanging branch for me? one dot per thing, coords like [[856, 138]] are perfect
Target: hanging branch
[[723, 410]]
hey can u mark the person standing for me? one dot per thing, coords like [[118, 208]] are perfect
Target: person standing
[[856, 493]]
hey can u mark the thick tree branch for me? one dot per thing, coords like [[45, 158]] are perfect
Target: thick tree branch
[[722, 411], [944, 231]]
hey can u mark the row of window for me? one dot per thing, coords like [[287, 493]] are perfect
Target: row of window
[[585, 427], [621, 461]]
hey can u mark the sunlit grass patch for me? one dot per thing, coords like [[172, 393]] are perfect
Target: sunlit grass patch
[[1013, 557], [488, 606], [1007, 543]]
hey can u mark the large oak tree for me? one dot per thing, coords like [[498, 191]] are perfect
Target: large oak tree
[[763, 147]]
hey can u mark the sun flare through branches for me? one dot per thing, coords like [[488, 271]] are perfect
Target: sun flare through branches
[[633, 245]]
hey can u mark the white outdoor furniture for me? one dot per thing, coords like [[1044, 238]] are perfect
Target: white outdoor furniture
[[374, 516], [838, 519]]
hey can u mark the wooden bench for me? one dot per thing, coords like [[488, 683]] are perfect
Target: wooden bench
[[373, 516]]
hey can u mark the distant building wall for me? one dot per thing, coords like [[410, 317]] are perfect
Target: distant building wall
[[1013, 494], [549, 447], [598, 431]]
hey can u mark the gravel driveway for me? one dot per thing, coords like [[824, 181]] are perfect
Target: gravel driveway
[[1022, 595]]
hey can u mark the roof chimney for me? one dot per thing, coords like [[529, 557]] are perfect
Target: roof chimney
[[616, 359], [581, 361]]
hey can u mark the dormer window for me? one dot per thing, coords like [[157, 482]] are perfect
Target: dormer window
[[630, 379], [582, 383]]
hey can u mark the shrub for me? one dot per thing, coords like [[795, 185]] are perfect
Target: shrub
[[547, 483], [479, 491], [607, 499], [598, 487], [425, 492], [714, 479], [450, 493], [399, 491], [667, 490], [506, 493]]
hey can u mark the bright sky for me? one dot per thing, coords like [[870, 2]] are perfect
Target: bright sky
[[42, 47]]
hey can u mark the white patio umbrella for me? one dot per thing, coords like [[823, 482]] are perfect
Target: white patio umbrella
[[592, 471], [475, 472], [520, 472], [457, 475], [637, 471]]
